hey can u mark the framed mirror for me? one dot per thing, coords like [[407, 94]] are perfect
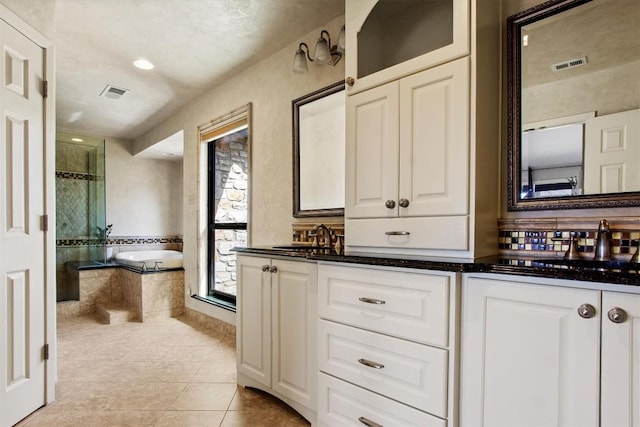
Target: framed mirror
[[318, 152], [573, 94]]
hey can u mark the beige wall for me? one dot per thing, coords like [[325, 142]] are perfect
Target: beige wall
[[510, 7], [269, 86], [144, 196], [40, 14]]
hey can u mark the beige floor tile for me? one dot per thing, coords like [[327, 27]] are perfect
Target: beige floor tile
[[205, 397], [223, 370], [169, 353], [88, 394], [191, 419], [268, 418], [148, 396], [250, 399]]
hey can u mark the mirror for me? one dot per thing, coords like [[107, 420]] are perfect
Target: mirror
[[318, 152], [573, 93]]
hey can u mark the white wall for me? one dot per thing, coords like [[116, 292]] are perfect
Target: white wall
[[270, 86], [144, 196]]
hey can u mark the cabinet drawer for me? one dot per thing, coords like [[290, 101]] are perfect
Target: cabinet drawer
[[413, 306], [342, 404], [446, 233], [411, 373]]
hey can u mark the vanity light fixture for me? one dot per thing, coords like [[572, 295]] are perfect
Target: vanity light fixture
[[324, 52]]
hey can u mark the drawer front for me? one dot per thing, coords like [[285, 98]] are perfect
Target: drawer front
[[441, 233], [411, 373], [342, 404], [413, 306]]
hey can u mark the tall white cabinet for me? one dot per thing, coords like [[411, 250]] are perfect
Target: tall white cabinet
[[422, 135], [539, 352], [276, 329]]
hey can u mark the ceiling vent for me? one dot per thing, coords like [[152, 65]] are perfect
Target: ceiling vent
[[113, 92], [572, 63]]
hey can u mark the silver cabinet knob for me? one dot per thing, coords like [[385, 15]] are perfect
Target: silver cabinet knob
[[390, 204], [265, 268], [617, 315], [586, 311], [273, 269], [404, 203], [368, 422], [350, 81]]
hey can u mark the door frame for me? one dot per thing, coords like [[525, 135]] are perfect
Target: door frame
[[49, 129]]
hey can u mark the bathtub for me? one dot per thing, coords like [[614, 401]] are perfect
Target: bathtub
[[165, 259]]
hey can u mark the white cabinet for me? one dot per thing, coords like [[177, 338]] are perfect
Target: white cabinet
[[531, 354], [620, 376], [387, 39], [276, 329], [386, 346], [422, 140], [407, 157]]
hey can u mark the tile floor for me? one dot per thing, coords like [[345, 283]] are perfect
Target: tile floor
[[171, 372]]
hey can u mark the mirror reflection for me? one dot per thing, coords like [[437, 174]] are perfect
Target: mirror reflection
[[318, 152], [574, 70]]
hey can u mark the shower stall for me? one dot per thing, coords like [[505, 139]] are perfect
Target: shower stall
[[81, 230]]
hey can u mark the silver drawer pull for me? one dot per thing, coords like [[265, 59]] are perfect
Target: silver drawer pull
[[369, 363], [397, 233], [369, 423], [372, 300]]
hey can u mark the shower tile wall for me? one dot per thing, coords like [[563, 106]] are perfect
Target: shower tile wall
[[78, 200]]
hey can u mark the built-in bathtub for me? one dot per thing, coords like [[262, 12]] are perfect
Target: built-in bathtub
[[150, 259]]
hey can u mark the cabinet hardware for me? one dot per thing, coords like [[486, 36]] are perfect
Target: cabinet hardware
[[370, 364], [404, 203], [372, 300], [350, 81], [397, 233], [265, 268], [273, 269], [369, 423], [390, 204], [617, 315], [586, 311]]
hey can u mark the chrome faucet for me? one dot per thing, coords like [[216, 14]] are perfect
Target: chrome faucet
[[326, 235], [603, 242]]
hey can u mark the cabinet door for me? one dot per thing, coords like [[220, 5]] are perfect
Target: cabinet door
[[372, 153], [528, 358], [389, 39], [253, 318], [434, 141], [621, 362], [294, 317]]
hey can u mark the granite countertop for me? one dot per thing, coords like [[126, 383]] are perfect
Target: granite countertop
[[547, 267]]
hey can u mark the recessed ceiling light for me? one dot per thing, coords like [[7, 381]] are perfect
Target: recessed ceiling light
[[77, 139], [143, 64]]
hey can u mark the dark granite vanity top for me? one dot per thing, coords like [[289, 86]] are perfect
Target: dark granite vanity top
[[605, 272]]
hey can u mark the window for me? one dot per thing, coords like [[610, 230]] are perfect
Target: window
[[224, 164]]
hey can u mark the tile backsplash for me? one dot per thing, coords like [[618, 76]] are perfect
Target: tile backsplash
[[546, 236]]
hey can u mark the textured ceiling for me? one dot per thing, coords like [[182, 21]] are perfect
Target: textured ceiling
[[194, 44]]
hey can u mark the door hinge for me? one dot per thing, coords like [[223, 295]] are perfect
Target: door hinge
[[45, 88], [45, 222], [46, 351]]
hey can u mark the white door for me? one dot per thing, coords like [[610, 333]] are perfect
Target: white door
[[372, 153], [22, 262], [434, 141], [528, 358], [621, 361], [612, 153], [253, 318], [294, 316]]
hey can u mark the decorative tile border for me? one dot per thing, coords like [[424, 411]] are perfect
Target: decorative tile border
[[121, 240], [551, 236], [79, 176]]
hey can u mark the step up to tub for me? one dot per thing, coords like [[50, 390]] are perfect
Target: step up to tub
[[113, 313]]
